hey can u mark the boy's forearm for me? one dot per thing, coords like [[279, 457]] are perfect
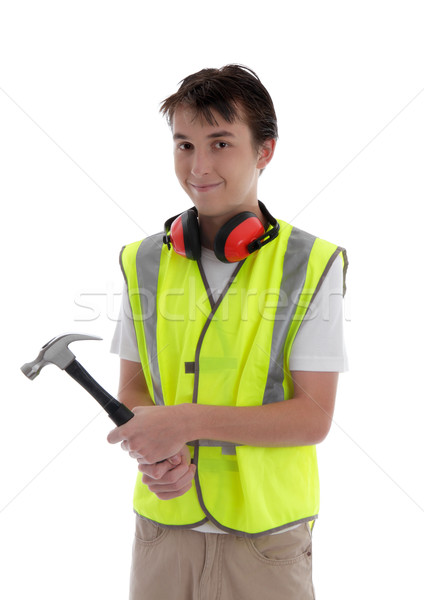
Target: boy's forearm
[[303, 420], [295, 422]]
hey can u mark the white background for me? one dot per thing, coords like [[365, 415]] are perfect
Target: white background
[[86, 166]]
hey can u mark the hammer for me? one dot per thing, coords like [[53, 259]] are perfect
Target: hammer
[[56, 352]]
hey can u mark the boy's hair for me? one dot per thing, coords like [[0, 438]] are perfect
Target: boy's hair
[[235, 92]]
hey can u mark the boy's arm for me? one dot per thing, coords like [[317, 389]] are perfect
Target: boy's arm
[[302, 420], [133, 389], [156, 433]]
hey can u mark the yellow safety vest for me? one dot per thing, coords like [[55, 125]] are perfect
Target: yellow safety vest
[[233, 352]]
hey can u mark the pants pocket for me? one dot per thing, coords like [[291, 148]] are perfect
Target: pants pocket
[[283, 548], [148, 533]]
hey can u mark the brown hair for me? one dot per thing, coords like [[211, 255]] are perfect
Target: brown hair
[[228, 91]]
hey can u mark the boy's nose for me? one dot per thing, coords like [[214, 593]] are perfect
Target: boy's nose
[[201, 164]]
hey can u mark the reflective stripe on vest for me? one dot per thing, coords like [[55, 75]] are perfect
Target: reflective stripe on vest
[[294, 274], [232, 352], [147, 263]]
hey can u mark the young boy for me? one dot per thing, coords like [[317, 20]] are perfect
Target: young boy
[[230, 353]]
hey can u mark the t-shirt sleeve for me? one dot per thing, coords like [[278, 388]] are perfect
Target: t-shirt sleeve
[[319, 344], [124, 341]]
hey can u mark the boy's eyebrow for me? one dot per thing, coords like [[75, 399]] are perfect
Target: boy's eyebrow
[[222, 133], [215, 134]]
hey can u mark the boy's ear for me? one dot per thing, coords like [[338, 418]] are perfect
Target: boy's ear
[[266, 153]]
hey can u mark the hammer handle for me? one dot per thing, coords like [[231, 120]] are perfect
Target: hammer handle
[[117, 411]]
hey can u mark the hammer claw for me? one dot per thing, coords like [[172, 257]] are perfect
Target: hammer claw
[[55, 352]]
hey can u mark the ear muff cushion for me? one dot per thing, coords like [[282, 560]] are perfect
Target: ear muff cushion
[[185, 236], [177, 237], [233, 238]]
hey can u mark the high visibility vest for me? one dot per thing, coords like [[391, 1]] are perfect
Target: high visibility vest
[[232, 352]]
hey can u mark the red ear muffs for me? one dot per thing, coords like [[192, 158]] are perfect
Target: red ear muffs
[[185, 236], [232, 240], [242, 235]]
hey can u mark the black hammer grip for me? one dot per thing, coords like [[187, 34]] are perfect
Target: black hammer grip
[[117, 411]]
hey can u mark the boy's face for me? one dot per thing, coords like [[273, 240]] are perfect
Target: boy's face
[[217, 165]]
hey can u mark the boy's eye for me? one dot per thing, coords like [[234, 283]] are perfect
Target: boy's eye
[[221, 144], [185, 146]]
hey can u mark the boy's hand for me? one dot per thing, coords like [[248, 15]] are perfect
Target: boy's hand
[[170, 478], [155, 433]]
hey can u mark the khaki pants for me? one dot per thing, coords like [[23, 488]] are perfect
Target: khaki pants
[[180, 564]]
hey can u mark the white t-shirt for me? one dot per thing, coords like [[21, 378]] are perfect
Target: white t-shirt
[[318, 345]]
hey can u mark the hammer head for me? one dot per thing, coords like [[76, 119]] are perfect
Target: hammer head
[[55, 352]]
